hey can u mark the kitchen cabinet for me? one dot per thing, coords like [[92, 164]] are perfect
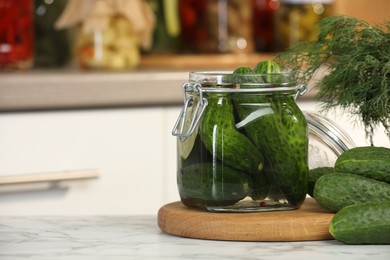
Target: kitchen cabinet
[[130, 148]]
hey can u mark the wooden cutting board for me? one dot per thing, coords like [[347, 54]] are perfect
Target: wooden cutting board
[[310, 222]]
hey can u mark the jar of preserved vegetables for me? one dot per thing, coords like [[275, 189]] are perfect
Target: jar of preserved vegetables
[[242, 143], [110, 33], [296, 20], [216, 26], [16, 34], [263, 24], [52, 47]]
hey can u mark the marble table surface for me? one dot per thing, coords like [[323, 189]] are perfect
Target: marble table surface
[[139, 237]]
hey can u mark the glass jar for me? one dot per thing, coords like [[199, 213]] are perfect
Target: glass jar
[[110, 33], [52, 47], [216, 26], [112, 44], [242, 143], [296, 20], [166, 36], [16, 34], [327, 140], [263, 24]]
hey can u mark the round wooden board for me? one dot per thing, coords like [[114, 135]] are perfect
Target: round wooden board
[[310, 222]]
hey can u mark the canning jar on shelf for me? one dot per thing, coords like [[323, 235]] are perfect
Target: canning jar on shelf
[[296, 20], [216, 26], [110, 33], [242, 143], [16, 34], [52, 47], [263, 24]]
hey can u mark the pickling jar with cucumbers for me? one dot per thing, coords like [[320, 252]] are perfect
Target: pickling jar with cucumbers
[[242, 141]]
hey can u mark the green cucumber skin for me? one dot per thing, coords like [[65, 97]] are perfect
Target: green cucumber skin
[[221, 138], [266, 67], [243, 70], [260, 186], [283, 143], [314, 175], [208, 184], [368, 161], [273, 69], [281, 136], [294, 126], [367, 223], [198, 154], [335, 191]]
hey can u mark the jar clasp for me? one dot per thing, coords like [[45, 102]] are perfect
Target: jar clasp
[[302, 89], [178, 128]]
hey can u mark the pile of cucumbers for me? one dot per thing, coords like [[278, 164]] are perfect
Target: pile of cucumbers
[[357, 188]]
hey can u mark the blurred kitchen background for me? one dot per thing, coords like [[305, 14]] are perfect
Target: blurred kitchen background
[[90, 91]]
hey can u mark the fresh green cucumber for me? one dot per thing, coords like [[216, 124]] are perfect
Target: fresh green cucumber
[[221, 138], [278, 128], [293, 122], [338, 190], [260, 186], [272, 71], [294, 127], [243, 70], [212, 184], [267, 71], [267, 67], [198, 154], [367, 223], [314, 175], [368, 161]]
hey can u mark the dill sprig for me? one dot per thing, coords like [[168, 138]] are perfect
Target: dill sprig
[[357, 61]]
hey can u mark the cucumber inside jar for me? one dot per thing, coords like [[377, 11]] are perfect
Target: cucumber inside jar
[[281, 135]]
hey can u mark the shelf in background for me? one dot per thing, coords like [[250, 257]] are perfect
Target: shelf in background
[[47, 90], [202, 61]]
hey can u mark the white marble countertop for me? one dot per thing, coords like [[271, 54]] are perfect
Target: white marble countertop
[[138, 237]]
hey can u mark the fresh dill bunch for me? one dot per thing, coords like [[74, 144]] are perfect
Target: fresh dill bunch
[[357, 61]]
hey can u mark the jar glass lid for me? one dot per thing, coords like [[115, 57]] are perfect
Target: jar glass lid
[[327, 140]]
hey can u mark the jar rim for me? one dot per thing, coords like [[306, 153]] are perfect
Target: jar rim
[[216, 77], [229, 82], [328, 132], [224, 78]]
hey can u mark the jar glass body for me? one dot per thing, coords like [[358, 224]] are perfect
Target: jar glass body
[[263, 24], [53, 47], [16, 34], [244, 149], [296, 20], [166, 36], [110, 44], [216, 26]]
